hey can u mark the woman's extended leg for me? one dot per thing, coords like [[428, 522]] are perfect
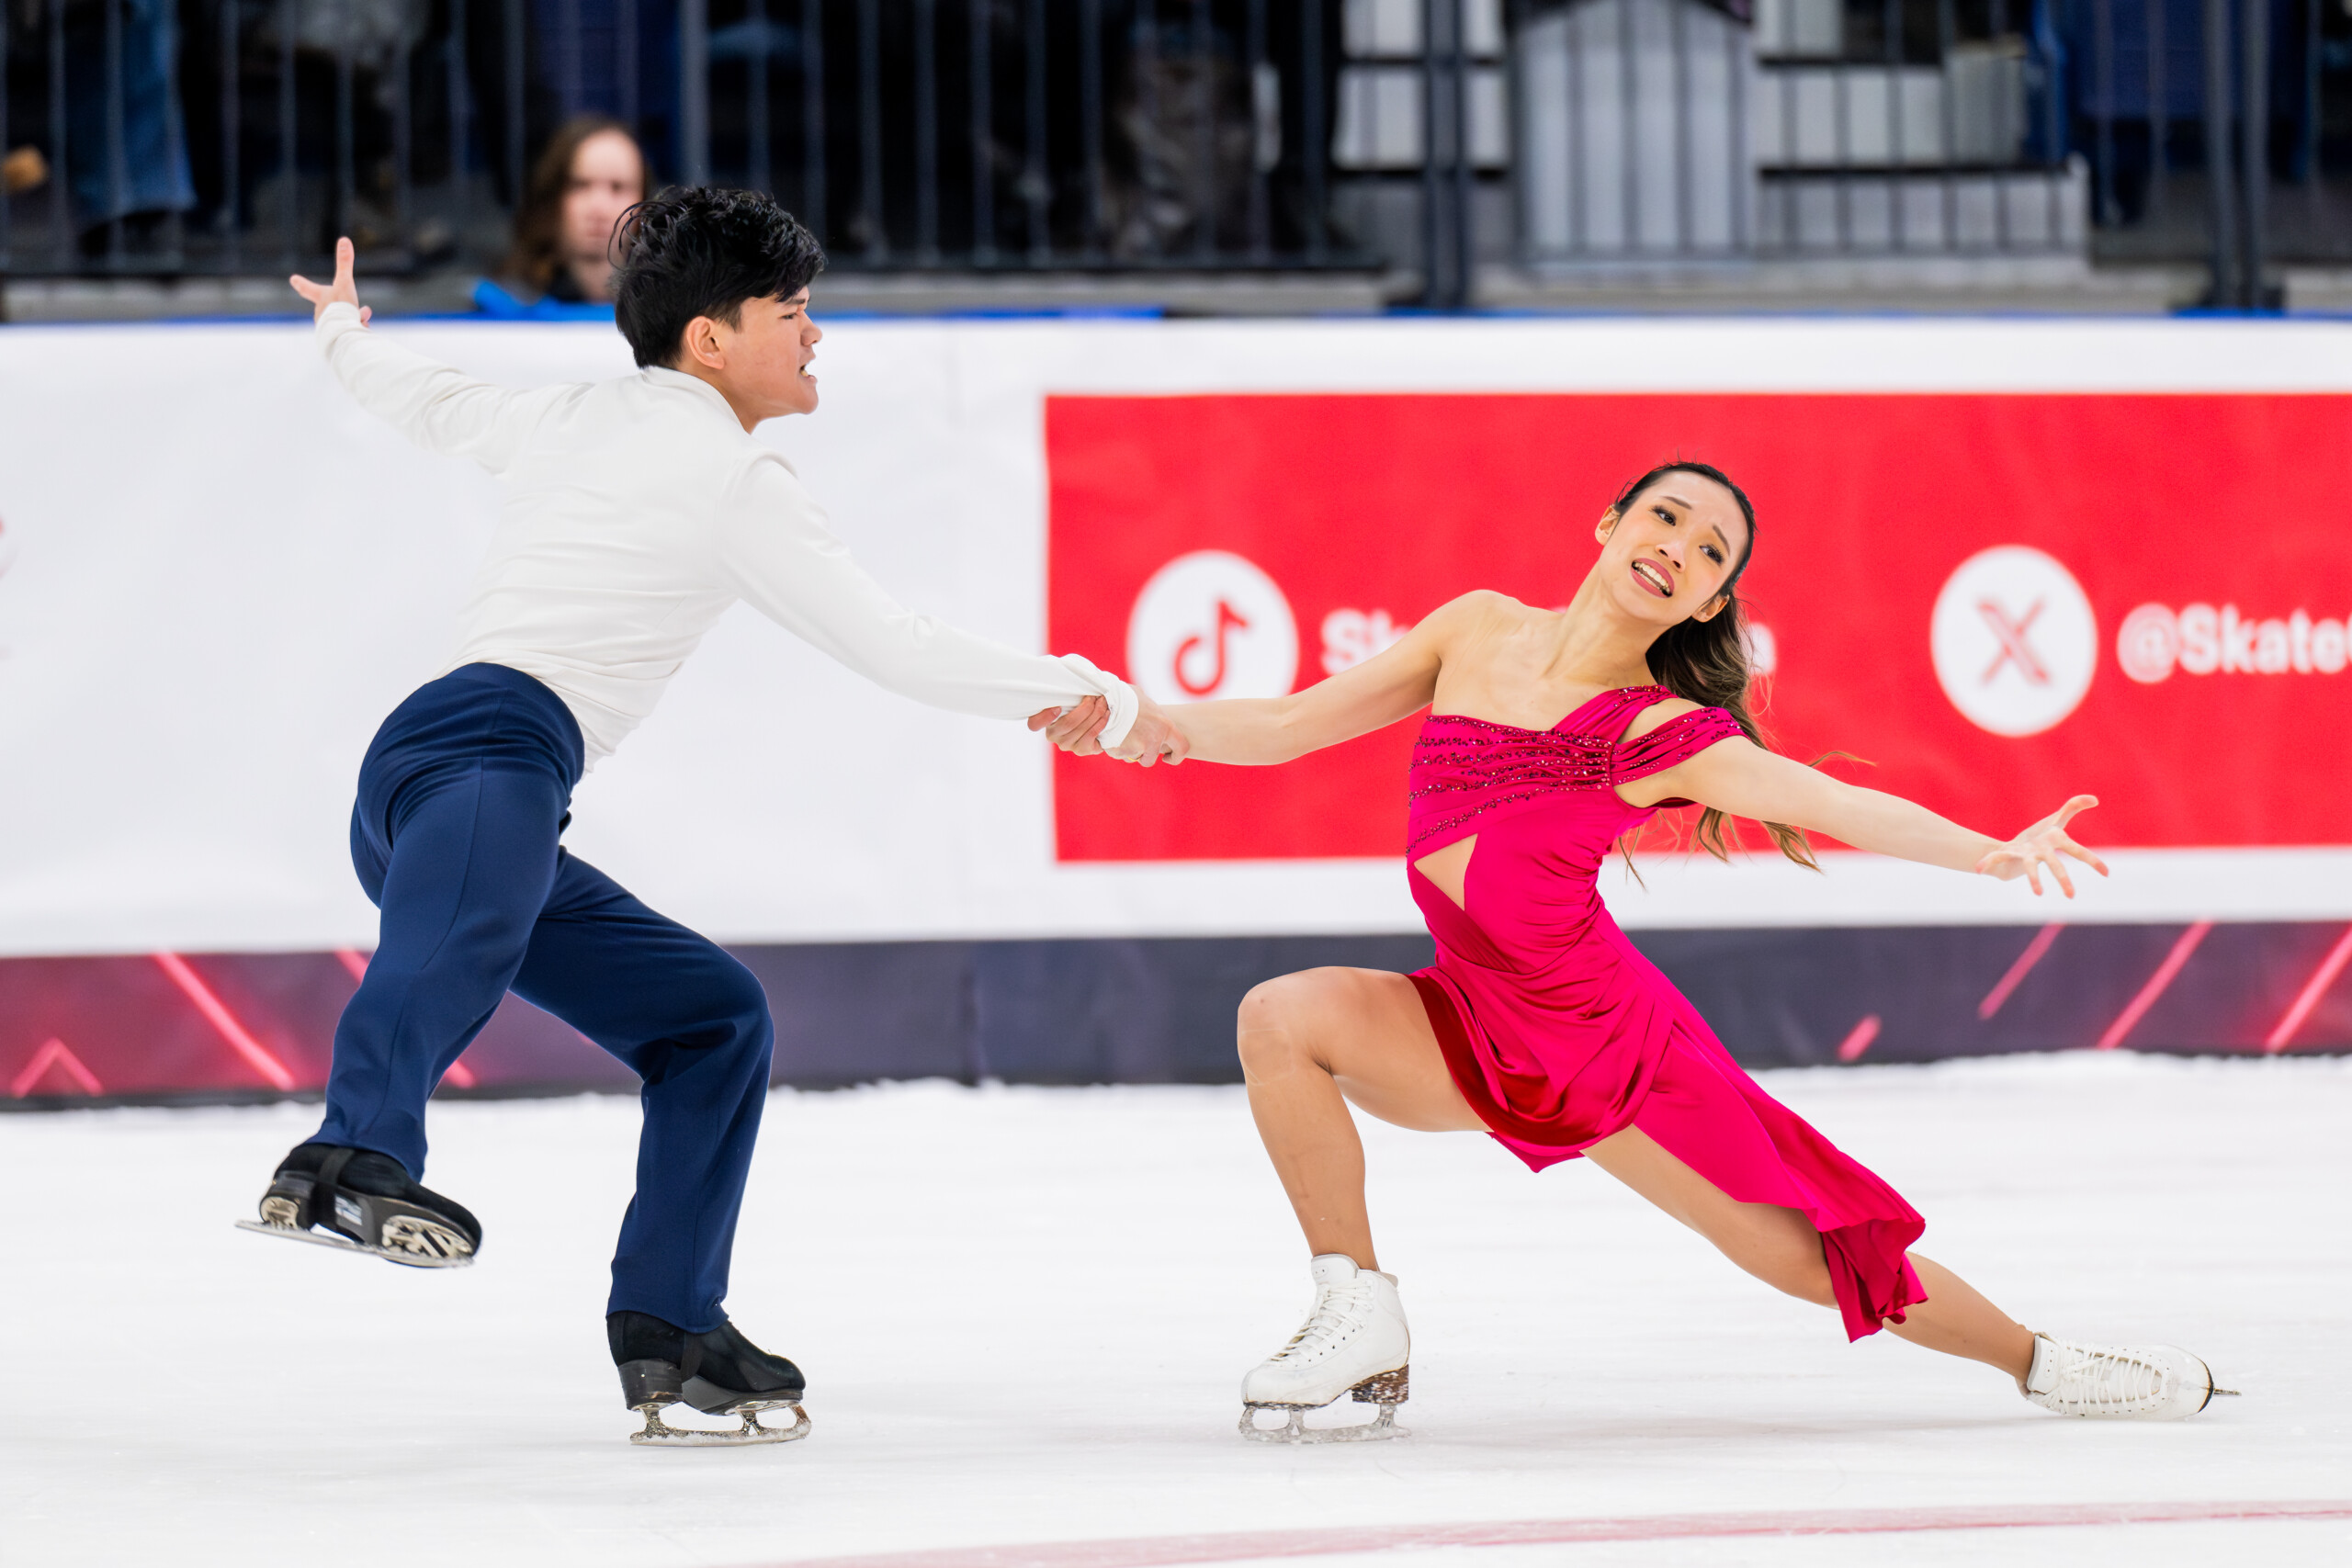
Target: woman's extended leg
[[1314, 1041], [1780, 1248]]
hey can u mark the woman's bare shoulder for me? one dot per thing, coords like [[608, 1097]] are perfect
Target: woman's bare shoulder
[[1482, 609]]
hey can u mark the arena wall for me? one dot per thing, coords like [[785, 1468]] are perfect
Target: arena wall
[[2000, 562]]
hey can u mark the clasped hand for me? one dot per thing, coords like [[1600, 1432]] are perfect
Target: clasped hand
[[2045, 846], [1077, 729]]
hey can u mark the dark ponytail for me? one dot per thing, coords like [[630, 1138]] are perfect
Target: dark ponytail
[[1706, 661]]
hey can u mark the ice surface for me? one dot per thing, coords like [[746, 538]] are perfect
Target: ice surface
[[1025, 1314]]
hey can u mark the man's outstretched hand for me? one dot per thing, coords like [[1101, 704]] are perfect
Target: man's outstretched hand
[[343, 290], [1077, 729]]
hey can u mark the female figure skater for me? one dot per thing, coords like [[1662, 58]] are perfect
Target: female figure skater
[[1551, 734]]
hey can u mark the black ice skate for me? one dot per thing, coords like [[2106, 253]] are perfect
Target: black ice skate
[[364, 1201], [718, 1372]]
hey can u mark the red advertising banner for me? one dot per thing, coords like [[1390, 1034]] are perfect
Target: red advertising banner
[[1997, 599]]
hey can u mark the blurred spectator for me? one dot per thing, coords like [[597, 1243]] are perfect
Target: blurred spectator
[[135, 166], [22, 170], [591, 172]]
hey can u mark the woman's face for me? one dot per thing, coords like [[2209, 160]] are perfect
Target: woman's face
[[608, 179], [1666, 558]]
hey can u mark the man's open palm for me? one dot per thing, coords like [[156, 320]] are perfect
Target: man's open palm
[[342, 290]]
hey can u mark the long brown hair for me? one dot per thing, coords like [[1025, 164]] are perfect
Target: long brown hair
[[1707, 662], [538, 221]]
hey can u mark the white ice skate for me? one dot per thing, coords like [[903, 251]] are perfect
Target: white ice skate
[[1354, 1341], [2139, 1382]]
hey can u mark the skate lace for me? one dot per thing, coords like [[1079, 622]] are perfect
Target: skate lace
[[2101, 1379], [1339, 1309]]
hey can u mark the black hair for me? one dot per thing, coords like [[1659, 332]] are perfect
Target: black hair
[[1706, 661], [700, 251]]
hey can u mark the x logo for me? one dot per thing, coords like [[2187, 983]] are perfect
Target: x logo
[[2011, 635]]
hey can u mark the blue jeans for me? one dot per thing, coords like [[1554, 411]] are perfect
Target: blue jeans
[[462, 798], [154, 174]]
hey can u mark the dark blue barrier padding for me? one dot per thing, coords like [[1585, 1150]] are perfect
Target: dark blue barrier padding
[[1161, 1011]]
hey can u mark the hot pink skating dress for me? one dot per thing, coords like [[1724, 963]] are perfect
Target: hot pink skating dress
[[1560, 1033]]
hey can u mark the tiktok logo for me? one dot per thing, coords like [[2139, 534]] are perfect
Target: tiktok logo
[[1212, 624], [1197, 681]]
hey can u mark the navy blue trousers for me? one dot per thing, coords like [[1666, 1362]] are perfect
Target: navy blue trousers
[[462, 798]]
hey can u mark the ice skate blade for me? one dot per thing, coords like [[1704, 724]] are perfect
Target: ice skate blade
[[660, 1434], [345, 1244], [1296, 1430]]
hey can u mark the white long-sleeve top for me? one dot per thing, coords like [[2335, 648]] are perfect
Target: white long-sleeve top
[[635, 512]]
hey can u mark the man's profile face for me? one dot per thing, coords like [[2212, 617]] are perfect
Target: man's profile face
[[778, 343]]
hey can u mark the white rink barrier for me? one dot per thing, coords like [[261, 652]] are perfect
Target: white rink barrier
[[217, 575]]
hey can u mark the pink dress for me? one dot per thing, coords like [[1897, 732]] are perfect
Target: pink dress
[[1560, 1033]]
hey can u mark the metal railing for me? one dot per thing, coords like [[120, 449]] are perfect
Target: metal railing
[[234, 137], [1673, 128], [990, 134], [230, 136], [239, 135], [2216, 125]]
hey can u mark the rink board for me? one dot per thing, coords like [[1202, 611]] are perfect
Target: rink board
[[2002, 562]]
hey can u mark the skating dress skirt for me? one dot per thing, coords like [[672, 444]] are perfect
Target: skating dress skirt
[[1560, 1033]]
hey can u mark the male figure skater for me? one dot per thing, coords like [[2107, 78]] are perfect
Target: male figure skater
[[635, 511]]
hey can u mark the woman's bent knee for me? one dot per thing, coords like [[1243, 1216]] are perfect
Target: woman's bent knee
[[1272, 1026]]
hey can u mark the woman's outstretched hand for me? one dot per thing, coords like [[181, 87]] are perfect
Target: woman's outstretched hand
[[2045, 846], [343, 290]]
